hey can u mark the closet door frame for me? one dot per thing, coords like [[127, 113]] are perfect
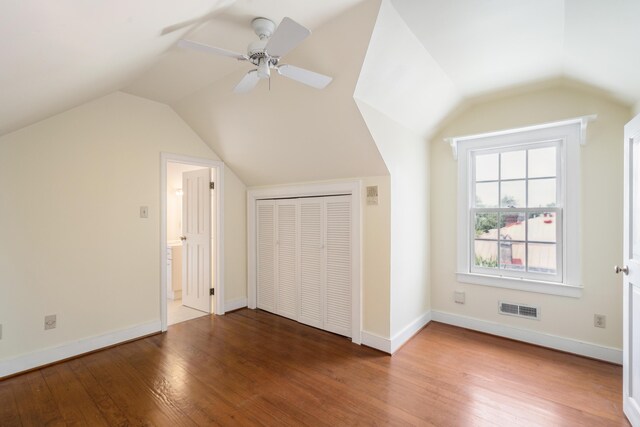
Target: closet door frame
[[353, 188]]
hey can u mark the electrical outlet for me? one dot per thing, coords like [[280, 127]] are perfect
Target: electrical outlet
[[599, 320], [50, 322], [144, 211], [458, 297]]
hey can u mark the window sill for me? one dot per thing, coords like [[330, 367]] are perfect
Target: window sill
[[540, 287]]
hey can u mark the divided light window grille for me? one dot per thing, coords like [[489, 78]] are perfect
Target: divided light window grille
[[515, 211]]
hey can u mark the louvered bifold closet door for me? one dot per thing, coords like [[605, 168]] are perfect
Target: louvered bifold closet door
[[266, 252], [311, 291], [286, 258], [338, 298]]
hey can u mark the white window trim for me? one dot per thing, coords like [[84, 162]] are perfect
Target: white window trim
[[572, 133]]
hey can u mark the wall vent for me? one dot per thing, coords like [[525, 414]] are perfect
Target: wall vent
[[372, 195], [520, 310]]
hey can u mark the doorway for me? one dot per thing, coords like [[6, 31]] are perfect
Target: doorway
[[191, 238]]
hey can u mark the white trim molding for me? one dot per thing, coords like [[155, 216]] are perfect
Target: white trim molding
[[392, 345], [353, 188], [569, 345], [582, 120], [536, 286], [218, 166], [376, 341], [235, 304], [409, 331], [55, 354]]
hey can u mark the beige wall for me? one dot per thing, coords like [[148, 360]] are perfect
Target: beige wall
[[376, 267], [235, 237], [601, 211], [72, 241]]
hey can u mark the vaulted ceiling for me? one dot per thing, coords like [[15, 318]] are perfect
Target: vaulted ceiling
[[423, 57]]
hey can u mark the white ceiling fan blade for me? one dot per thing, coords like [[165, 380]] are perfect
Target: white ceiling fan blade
[[188, 44], [287, 36], [248, 82], [310, 78]]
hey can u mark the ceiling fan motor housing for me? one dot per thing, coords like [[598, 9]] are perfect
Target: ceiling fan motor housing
[[257, 55]]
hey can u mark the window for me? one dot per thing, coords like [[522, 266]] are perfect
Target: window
[[518, 208]]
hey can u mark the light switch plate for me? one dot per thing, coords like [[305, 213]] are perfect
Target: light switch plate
[[144, 211]]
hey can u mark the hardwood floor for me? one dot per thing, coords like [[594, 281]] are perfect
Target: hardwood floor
[[250, 367]]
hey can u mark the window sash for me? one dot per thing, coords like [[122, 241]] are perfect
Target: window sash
[[500, 272], [473, 210]]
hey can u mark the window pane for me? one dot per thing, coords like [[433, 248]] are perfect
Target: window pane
[[542, 193], [542, 227], [487, 226], [513, 194], [513, 164], [542, 162], [486, 253], [487, 195], [513, 226], [487, 167], [512, 255], [542, 258]]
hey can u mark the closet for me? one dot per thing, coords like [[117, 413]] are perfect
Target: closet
[[304, 260]]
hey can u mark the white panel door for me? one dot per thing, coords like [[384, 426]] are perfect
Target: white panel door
[[196, 239], [311, 262], [631, 270], [265, 256], [286, 258], [338, 293]]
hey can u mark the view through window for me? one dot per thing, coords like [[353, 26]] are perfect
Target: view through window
[[515, 211]]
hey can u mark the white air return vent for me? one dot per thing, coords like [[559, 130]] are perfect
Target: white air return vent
[[520, 310]]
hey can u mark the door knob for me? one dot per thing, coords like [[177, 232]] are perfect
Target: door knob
[[624, 269], [183, 238]]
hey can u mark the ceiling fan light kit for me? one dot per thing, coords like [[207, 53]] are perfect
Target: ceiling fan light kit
[[265, 53]]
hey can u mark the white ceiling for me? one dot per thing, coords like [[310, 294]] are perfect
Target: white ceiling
[[60, 54], [487, 45], [56, 55], [294, 133], [181, 72]]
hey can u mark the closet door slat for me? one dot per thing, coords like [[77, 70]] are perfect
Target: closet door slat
[[338, 299], [287, 254], [266, 283], [311, 262]]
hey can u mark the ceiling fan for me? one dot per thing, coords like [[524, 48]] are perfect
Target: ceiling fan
[[266, 53]]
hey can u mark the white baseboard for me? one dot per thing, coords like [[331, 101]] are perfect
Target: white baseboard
[[235, 304], [409, 331], [392, 345], [569, 345], [65, 351], [375, 341]]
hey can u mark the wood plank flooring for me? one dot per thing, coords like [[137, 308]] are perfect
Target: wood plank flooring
[[253, 368]]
